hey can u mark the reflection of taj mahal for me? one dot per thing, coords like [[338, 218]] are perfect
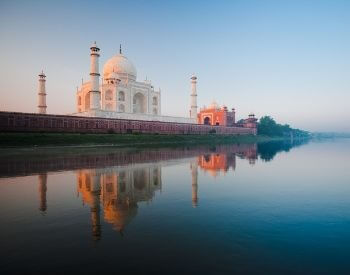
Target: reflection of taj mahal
[[115, 192], [118, 191]]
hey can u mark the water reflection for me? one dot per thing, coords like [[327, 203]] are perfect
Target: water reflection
[[268, 150], [113, 182], [117, 191], [113, 203], [42, 179], [222, 158], [41, 161], [114, 192]]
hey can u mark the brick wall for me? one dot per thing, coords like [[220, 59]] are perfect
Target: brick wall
[[28, 122]]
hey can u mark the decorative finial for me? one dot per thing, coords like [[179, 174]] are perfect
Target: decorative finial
[[120, 48]]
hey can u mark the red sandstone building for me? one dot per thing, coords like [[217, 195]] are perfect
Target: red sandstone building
[[220, 116], [216, 115]]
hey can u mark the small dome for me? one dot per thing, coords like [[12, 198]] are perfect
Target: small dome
[[213, 105], [121, 65]]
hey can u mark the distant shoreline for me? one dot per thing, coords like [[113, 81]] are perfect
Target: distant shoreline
[[54, 140]]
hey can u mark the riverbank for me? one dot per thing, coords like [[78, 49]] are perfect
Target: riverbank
[[121, 140]]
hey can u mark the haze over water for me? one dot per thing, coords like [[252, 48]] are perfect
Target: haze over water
[[275, 208]]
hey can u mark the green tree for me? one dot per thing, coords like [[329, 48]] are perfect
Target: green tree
[[269, 127]]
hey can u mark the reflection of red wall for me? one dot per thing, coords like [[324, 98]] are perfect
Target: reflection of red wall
[[213, 162], [217, 162]]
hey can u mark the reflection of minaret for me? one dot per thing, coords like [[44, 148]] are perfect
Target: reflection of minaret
[[194, 170], [42, 192], [95, 207], [118, 191]]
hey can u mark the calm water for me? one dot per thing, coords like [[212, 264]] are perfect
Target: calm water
[[275, 208]]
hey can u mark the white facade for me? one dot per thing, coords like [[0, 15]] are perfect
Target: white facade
[[120, 95]]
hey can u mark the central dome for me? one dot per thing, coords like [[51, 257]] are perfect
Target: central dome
[[121, 65]]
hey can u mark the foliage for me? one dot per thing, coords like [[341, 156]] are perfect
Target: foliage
[[269, 127]]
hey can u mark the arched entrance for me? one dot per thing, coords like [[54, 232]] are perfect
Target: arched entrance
[[207, 121], [139, 103]]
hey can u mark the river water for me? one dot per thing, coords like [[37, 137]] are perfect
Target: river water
[[271, 208]]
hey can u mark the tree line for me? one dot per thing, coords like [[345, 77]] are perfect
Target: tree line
[[269, 127]]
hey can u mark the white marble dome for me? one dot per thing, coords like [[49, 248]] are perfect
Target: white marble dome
[[121, 65], [112, 75]]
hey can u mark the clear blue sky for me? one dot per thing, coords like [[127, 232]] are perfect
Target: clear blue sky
[[287, 59]]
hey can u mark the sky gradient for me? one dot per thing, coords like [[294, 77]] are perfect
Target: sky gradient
[[286, 59]]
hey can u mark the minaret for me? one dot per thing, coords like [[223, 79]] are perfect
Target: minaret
[[95, 78], [193, 111], [42, 192], [42, 94], [194, 172], [95, 207]]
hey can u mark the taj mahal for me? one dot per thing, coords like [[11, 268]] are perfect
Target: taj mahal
[[117, 102], [120, 95]]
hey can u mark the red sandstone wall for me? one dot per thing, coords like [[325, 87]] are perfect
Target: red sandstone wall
[[27, 122]]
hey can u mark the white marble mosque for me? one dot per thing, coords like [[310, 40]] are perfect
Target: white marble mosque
[[120, 95]]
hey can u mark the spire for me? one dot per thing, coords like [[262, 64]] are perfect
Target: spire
[[120, 48]]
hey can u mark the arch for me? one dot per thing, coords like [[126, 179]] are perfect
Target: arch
[[87, 101], [207, 121], [108, 106], [122, 108], [155, 100], [121, 96], [79, 100], [139, 103], [155, 111], [108, 95], [217, 123]]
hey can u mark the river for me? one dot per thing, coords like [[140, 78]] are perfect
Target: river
[[273, 208]]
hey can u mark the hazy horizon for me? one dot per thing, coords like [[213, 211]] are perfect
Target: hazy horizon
[[286, 59]]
